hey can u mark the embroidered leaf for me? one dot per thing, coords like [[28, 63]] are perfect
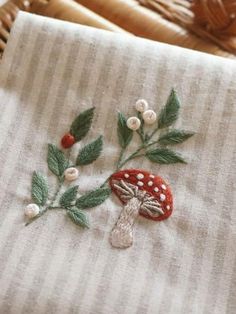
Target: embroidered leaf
[[124, 133], [93, 198], [68, 196], [90, 152], [57, 161], [82, 124], [164, 156], [78, 217], [174, 137], [169, 114], [39, 191]]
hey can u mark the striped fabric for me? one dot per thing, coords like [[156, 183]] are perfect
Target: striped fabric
[[51, 70]]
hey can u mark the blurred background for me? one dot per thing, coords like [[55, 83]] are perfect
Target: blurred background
[[204, 25]]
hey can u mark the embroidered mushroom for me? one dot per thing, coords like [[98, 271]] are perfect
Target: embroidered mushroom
[[142, 194]]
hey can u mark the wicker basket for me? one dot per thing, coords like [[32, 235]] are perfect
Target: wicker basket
[[114, 15], [71, 11], [141, 21]]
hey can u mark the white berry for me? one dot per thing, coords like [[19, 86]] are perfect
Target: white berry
[[133, 123], [141, 105], [71, 174], [149, 116], [32, 210]]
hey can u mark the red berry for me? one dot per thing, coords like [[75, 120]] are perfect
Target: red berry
[[68, 140]]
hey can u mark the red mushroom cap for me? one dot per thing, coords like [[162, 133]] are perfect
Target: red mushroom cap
[[154, 185]]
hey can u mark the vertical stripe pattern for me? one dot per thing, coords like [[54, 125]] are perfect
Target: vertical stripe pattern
[[52, 70]]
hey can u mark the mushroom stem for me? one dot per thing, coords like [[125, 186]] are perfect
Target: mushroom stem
[[122, 233]]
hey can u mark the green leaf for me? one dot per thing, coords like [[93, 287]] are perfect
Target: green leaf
[[39, 190], [93, 198], [68, 196], [57, 161], [90, 152], [124, 133], [82, 124], [169, 114], [78, 217], [164, 156], [174, 137]]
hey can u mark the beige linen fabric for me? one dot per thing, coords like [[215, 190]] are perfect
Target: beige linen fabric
[[52, 70]]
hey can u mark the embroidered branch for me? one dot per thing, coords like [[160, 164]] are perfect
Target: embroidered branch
[[62, 167], [160, 154]]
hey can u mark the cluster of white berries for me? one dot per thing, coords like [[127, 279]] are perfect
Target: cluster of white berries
[[149, 116]]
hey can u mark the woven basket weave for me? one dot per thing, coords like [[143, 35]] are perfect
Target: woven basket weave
[[213, 20], [71, 11], [141, 21], [114, 15]]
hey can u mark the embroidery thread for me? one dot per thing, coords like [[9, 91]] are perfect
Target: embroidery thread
[[63, 168]]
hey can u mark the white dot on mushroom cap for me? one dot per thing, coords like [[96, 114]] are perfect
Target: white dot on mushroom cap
[[140, 183], [168, 207], [126, 175], [162, 197], [163, 186], [140, 176], [150, 183], [156, 189], [151, 176]]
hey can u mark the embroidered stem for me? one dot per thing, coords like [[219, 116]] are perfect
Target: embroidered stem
[[61, 181], [136, 154], [122, 233], [50, 205], [132, 156], [35, 218], [153, 133], [152, 143], [141, 130], [54, 207], [141, 134], [120, 158]]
